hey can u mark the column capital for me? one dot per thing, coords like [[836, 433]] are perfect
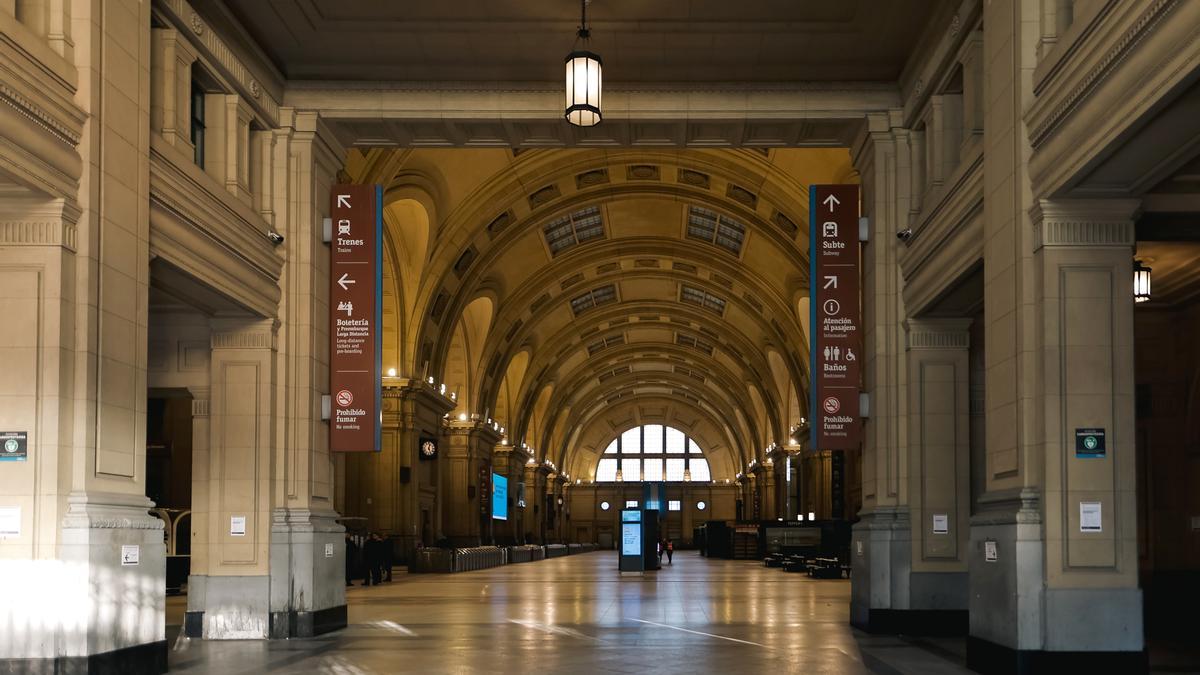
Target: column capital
[[244, 333], [937, 333], [1086, 223], [30, 220]]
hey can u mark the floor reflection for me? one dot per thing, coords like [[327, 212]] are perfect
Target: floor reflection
[[576, 615]]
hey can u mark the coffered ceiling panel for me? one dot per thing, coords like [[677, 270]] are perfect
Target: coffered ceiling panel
[[523, 41]]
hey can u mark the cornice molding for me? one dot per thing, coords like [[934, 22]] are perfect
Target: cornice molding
[[59, 131], [1087, 82], [191, 25], [189, 217]]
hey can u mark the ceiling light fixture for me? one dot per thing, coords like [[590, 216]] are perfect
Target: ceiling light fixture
[[583, 79], [1141, 282]]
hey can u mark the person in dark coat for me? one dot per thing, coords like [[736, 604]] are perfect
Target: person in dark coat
[[385, 553], [351, 554], [373, 553]]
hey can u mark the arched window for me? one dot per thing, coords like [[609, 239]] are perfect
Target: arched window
[[653, 453]]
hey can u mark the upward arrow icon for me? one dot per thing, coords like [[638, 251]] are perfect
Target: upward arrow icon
[[343, 201], [830, 201]]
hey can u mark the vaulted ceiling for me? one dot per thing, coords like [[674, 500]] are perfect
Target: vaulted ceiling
[[571, 294]]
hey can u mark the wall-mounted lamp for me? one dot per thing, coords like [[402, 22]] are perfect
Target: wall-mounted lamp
[[1141, 282]]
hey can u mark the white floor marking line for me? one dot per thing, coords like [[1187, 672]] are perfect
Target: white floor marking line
[[556, 630], [394, 627], [696, 632]]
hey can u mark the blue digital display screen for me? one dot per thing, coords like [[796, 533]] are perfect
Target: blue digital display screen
[[631, 538], [631, 532], [499, 497]]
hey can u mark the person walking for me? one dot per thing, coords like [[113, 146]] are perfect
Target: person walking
[[670, 550]]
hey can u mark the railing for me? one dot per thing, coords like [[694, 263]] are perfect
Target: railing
[[478, 558], [521, 554]]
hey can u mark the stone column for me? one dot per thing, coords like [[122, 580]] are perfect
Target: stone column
[[74, 286], [504, 532], [230, 599], [465, 465], [939, 483], [307, 556], [201, 481], [391, 488], [171, 106], [1080, 336], [884, 157], [529, 517], [457, 476], [766, 482]]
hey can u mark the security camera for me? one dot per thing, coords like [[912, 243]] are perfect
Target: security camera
[[905, 235], [275, 238]]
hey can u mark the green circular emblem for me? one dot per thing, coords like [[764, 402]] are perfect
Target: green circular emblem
[[1089, 442], [10, 445]]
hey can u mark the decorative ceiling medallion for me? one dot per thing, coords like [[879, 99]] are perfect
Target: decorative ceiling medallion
[[742, 195], [590, 178], [693, 178], [642, 172], [543, 196]]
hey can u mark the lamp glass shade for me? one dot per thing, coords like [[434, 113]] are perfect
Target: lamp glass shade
[[1141, 282], [584, 88]]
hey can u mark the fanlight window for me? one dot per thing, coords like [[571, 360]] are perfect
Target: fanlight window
[[653, 453]]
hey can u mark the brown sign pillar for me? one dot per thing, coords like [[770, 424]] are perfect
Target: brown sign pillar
[[355, 318], [836, 320]]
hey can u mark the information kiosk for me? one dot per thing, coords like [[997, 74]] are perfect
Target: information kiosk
[[632, 547], [650, 538]]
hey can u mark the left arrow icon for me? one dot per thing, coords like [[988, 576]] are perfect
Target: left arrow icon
[[345, 282], [343, 201]]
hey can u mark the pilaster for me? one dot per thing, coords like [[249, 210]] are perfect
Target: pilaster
[[230, 600], [1049, 566], [939, 471]]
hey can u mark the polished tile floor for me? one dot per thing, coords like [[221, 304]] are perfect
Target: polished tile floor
[[576, 615]]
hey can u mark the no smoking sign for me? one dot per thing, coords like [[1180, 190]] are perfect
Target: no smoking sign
[[831, 405], [345, 398]]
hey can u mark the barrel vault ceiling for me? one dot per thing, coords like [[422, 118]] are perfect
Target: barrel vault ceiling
[[571, 294]]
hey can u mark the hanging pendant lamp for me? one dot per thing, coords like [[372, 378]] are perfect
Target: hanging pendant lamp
[[583, 80]]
